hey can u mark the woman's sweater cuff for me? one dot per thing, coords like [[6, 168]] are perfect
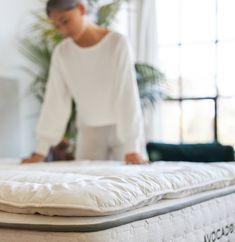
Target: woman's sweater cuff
[[43, 148], [132, 147]]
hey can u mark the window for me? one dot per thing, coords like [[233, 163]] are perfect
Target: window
[[196, 51]]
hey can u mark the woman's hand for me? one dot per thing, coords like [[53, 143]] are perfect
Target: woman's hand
[[134, 159], [34, 158]]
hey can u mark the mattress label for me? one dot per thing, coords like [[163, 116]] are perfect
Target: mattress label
[[220, 233]]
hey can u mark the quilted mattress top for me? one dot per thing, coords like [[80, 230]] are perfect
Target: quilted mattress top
[[103, 188]]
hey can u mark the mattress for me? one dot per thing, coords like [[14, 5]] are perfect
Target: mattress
[[199, 206], [206, 217]]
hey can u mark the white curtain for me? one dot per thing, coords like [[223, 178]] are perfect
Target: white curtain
[[147, 32], [143, 34]]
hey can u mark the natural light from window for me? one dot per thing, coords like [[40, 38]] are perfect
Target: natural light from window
[[197, 53]]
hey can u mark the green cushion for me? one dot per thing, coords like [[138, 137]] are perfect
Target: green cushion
[[210, 152]]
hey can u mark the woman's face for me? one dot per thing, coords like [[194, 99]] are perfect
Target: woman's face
[[70, 23]]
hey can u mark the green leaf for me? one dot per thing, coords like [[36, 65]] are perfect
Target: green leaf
[[150, 81], [107, 13]]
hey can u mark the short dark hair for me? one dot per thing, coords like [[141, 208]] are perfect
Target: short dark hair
[[61, 5]]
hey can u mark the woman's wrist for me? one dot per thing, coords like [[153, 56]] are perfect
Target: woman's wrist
[[38, 157], [134, 158]]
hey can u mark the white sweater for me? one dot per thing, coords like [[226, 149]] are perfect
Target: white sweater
[[101, 80]]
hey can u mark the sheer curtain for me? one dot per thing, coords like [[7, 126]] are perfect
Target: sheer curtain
[[143, 34], [147, 32]]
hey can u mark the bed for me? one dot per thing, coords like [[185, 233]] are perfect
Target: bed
[[109, 201]]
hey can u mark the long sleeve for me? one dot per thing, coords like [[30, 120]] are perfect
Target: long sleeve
[[130, 120], [56, 108]]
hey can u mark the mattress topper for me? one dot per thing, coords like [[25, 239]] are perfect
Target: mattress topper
[[104, 188]]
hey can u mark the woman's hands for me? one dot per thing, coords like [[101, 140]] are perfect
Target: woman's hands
[[130, 158], [34, 158], [134, 159]]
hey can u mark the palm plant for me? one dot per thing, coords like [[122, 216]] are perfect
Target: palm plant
[[39, 47], [150, 83]]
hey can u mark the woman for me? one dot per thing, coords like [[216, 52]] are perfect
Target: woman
[[93, 66]]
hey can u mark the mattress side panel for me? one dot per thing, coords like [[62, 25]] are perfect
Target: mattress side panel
[[211, 221]]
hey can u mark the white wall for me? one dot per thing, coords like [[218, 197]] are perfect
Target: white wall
[[18, 109], [9, 117]]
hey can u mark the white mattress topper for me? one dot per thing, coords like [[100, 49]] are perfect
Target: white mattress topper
[[103, 188]]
